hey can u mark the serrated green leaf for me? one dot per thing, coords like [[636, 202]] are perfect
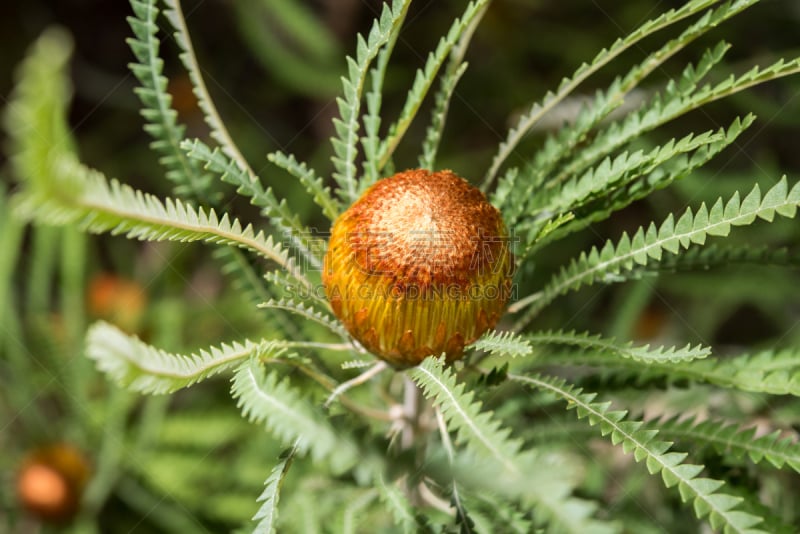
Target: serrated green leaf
[[346, 140], [143, 368], [568, 85], [586, 270], [503, 344], [265, 398], [219, 132], [161, 118], [731, 439], [267, 515], [706, 495], [610, 347]]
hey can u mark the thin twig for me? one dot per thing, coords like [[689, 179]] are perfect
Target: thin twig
[[360, 379], [411, 412]]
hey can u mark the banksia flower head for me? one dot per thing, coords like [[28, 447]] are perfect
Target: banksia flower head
[[420, 265]]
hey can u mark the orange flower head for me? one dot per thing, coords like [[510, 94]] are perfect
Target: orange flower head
[[420, 265]]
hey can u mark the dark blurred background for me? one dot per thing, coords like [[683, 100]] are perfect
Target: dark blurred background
[[275, 81]]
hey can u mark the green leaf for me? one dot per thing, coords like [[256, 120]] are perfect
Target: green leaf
[[562, 144], [267, 515], [475, 429], [491, 513], [503, 344], [662, 110], [219, 132], [425, 77], [568, 85], [706, 494], [289, 416], [433, 135], [642, 354], [57, 189], [346, 140], [730, 438], [374, 100], [674, 91], [613, 173], [771, 371], [35, 115], [308, 178], [247, 184], [603, 190], [400, 508], [140, 367], [647, 246], [101, 206], [161, 118], [309, 312], [486, 439], [295, 44], [720, 256], [245, 278]]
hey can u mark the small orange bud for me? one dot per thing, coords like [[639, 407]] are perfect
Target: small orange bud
[[51, 481], [118, 300], [420, 265]]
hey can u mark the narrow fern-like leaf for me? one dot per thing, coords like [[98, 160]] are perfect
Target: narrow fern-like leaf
[[352, 515], [308, 178], [568, 85], [35, 115], [490, 513], [730, 438], [720, 256], [503, 344], [433, 135], [143, 368], [346, 140], [309, 313], [162, 121], [374, 101], [671, 237], [98, 206], [287, 413], [563, 143], [660, 111], [57, 189], [608, 101], [424, 79], [618, 172], [616, 199], [243, 276], [707, 496], [399, 506], [474, 428], [246, 279], [287, 287], [487, 439], [456, 68], [293, 42], [247, 184], [267, 515], [774, 372], [219, 132], [643, 354]]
